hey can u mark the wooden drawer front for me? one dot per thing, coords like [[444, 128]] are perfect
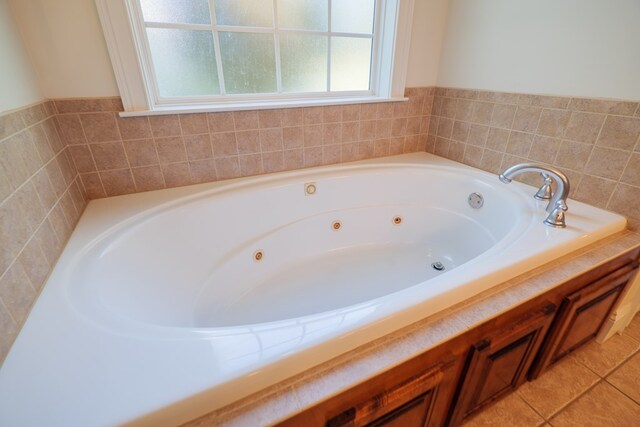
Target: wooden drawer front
[[407, 403], [498, 364], [581, 316]]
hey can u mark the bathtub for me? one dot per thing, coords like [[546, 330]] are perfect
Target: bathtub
[[169, 304]]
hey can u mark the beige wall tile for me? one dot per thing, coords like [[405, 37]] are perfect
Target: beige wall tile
[[35, 264], [273, 162], [607, 163], [331, 134], [269, 118], [313, 136], [148, 178], [198, 147], [109, 155], [202, 170], [227, 167], [498, 139], [631, 173], [312, 115], [248, 141], [460, 131], [93, 185], [17, 292], [220, 122], [619, 132], [9, 331], [351, 113], [482, 112], [176, 174], [626, 200], [293, 159], [445, 127], [141, 152], [100, 127], [573, 155], [503, 116], [71, 128], [117, 182], [519, 144], [553, 122], [332, 114], [224, 144], [526, 118], [83, 158], [193, 124], [312, 156], [584, 127], [603, 106], [331, 154], [293, 137], [350, 133], [594, 191], [164, 126], [134, 127], [292, 117], [544, 149], [245, 120], [251, 164]]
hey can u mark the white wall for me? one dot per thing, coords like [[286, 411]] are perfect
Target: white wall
[[427, 35], [564, 47], [18, 84], [65, 40]]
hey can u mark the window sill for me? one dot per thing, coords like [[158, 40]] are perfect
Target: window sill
[[256, 105]]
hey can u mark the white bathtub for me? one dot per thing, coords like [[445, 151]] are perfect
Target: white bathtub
[[166, 305]]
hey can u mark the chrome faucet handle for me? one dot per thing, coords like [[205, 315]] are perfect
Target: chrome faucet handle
[[545, 192], [556, 217]]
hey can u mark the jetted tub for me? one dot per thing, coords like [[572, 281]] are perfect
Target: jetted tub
[[166, 305]]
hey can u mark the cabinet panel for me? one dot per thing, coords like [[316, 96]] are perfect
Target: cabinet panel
[[498, 364], [581, 316], [406, 403]]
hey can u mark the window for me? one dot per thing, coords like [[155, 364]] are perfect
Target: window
[[173, 55]]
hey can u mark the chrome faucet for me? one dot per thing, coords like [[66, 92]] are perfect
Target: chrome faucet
[[557, 201]]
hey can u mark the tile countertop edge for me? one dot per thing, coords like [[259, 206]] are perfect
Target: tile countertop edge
[[284, 399]]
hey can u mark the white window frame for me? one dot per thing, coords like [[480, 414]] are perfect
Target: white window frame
[[136, 83]]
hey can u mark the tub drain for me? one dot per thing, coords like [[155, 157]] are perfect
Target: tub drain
[[438, 266]]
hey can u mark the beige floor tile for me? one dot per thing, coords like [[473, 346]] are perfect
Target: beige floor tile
[[510, 411], [602, 406], [604, 358], [633, 330], [557, 387], [627, 378]]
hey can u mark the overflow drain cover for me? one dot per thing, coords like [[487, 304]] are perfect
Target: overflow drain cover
[[438, 266]]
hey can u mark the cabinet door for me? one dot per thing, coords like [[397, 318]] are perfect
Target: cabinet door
[[409, 403], [499, 363], [581, 316]]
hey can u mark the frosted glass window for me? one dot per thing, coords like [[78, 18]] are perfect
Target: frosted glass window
[[248, 62], [256, 13], [184, 62], [304, 14], [350, 63], [303, 60], [176, 11], [352, 16]]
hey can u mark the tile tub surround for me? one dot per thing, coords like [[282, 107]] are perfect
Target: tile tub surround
[[117, 155], [596, 142], [41, 200], [301, 391]]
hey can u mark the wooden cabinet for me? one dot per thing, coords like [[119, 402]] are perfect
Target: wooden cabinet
[[448, 383], [391, 399], [581, 315], [498, 364]]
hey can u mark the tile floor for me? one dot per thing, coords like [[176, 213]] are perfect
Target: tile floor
[[599, 385]]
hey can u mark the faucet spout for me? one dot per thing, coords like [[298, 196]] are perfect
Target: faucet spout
[[558, 202]]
